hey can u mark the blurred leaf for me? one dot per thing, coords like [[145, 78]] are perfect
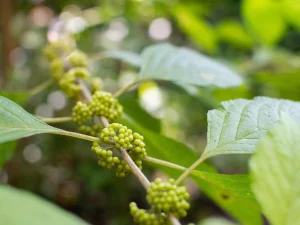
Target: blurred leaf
[[232, 185], [264, 20], [6, 152], [233, 32], [17, 97], [216, 221], [275, 84], [131, 107], [196, 28], [275, 170], [126, 56], [182, 65], [291, 10], [245, 210], [240, 123], [16, 123], [227, 94], [21, 207]]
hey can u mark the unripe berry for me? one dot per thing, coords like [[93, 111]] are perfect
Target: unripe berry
[[81, 113], [78, 59]]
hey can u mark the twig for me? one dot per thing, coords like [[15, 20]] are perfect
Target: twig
[[125, 88], [135, 170], [40, 87], [56, 119]]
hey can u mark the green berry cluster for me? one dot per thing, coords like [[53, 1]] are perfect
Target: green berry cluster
[[104, 104], [145, 217], [67, 65], [94, 130], [81, 113], [122, 137], [167, 197], [105, 157]]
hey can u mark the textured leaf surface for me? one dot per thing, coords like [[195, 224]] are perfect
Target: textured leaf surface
[[126, 56], [16, 123], [182, 65], [20, 207], [276, 173], [232, 193], [239, 124]]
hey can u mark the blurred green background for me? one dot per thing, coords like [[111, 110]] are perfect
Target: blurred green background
[[259, 39]]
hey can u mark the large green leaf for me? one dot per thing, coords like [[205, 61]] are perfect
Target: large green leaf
[[6, 151], [264, 20], [291, 11], [129, 57], [276, 173], [21, 207], [232, 193], [185, 66], [16, 123], [240, 123]]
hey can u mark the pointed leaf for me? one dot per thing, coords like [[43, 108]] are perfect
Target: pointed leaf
[[16, 123], [182, 65], [239, 124], [129, 57], [276, 173], [21, 207]]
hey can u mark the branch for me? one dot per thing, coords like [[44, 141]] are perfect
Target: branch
[[135, 170]]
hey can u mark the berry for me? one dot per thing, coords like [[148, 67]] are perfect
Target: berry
[[68, 85], [90, 130], [58, 49], [105, 157], [81, 113], [57, 68], [146, 217], [167, 197], [96, 84], [78, 59], [104, 104]]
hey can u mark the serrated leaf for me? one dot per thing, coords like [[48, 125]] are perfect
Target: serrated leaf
[[276, 173], [6, 152], [21, 207], [185, 66], [240, 123], [16, 123], [231, 193], [264, 19], [129, 57]]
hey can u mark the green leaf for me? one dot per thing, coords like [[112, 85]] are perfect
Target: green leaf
[[21, 207], [196, 28], [17, 97], [239, 124], [126, 56], [16, 123], [216, 221], [131, 107], [264, 20], [6, 152], [291, 11], [276, 173], [220, 188], [185, 66]]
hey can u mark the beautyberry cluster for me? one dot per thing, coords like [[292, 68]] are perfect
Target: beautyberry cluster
[[122, 137], [104, 104], [81, 113], [146, 217], [105, 157], [93, 130], [67, 65], [167, 197]]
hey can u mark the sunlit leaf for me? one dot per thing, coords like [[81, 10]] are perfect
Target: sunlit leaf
[[21, 207], [239, 124], [197, 29], [291, 12], [182, 65], [275, 171], [16, 123], [264, 20]]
